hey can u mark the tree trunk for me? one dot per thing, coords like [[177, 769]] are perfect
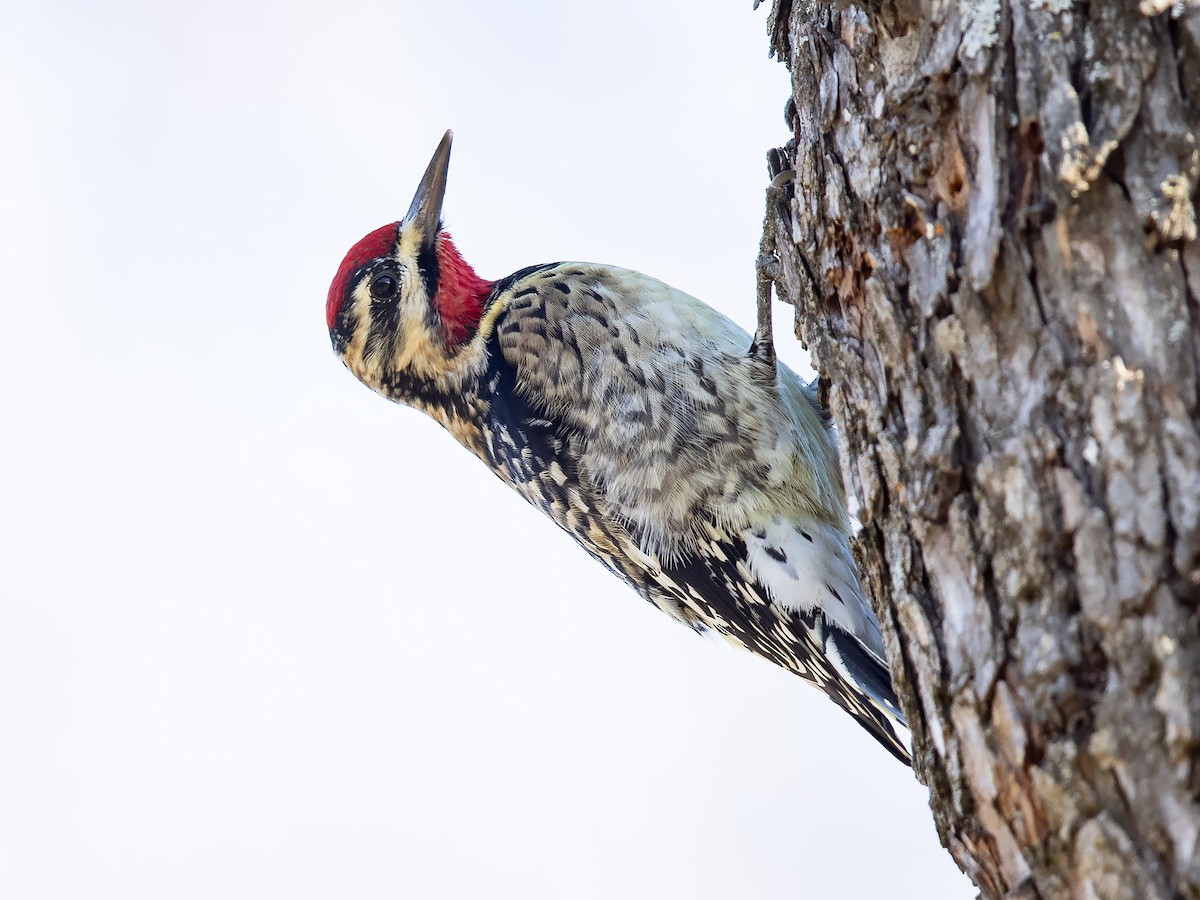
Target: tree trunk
[[991, 247]]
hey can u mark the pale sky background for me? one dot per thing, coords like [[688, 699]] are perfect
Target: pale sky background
[[266, 635]]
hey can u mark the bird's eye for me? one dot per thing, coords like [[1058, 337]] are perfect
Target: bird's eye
[[383, 287]]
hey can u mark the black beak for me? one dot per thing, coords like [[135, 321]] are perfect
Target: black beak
[[426, 211]]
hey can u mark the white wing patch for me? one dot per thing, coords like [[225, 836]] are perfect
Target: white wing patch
[[807, 565]]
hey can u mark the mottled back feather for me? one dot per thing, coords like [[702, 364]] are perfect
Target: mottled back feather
[[685, 470]]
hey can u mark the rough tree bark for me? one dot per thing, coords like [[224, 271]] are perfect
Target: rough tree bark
[[991, 247]]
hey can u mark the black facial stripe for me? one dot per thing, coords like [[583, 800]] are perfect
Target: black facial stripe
[[343, 325], [385, 313], [427, 265]]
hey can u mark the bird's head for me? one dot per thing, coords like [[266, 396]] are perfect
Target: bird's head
[[404, 303]]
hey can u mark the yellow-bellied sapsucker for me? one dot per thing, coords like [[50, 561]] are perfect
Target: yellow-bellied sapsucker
[[656, 432]]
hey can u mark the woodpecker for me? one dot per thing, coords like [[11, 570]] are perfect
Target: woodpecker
[[667, 442]]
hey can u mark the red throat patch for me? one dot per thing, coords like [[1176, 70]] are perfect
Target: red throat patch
[[379, 242], [460, 294]]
